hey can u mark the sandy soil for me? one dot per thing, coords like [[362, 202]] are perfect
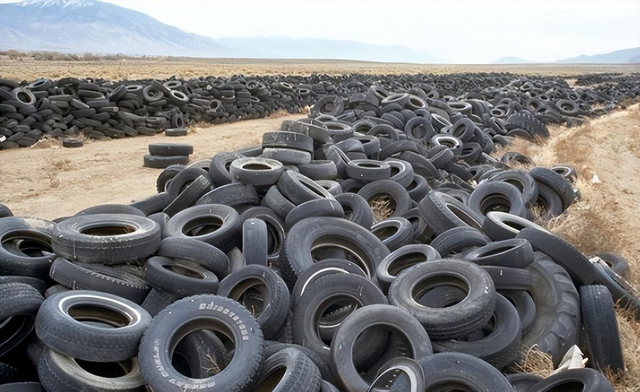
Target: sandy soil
[[130, 68], [49, 181]]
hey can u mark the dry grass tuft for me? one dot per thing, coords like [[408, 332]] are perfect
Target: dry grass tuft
[[630, 335], [536, 362], [51, 169], [381, 207]]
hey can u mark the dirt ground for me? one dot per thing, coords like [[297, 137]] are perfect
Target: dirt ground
[[49, 181], [138, 68]]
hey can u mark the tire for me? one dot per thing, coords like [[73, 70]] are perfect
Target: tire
[[556, 325], [497, 196], [581, 271], [394, 232], [296, 141], [320, 269], [523, 181], [36, 283], [623, 293], [402, 259], [308, 321], [457, 239], [455, 321], [231, 195], [418, 188], [5, 211], [170, 149], [356, 209], [275, 230], [58, 372], [368, 170], [529, 123], [183, 248], [363, 246], [271, 347], [588, 380], [500, 226], [72, 142], [158, 300], [85, 276], [361, 319], [319, 170], [22, 387], [524, 305], [301, 374], [601, 329], [35, 235], [111, 209], [172, 132], [287, 156], [506, 278], [456, 370], [499, 347], [189, 196], [313, 208], [255, 242], [181, 278], [617, 263], [514, 253], [162, 162], [256, 171], [549, 202], [57, 328], [444, 212], [401, 172], [193, 222], [19, 304], [201, 352], [299, 189], [399, 199], [217, 314], [556, 182], [257, 285], [521, 382], [333, 187], [278, 202], [106, 238], [219, 167]]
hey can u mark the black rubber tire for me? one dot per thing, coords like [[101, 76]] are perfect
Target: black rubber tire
[[331, 186], [368, 170], [255, 242], [36, 235], [556, 325], [5, 211], [170, 149], [497, 196], [172, 132], [319, 170], [556, 182], [20, 303], [313, 208], [314, 232], [111, 209], [158, 300], [524, 305], [180, 277], [455, 321], [515, 253], [85, 276], [529, 123], [402, 259], [549, 202], [624, 294], [66, 335], [71, 142], [256, 171], [601, 329], [106, 238], [320, 269], [588, 380], [501, 226], [299, 189], [521, 382], [301, 374], [329, 290], [356, 209], [444, 212], [22, 387], [394, 232], [456, 370], [501, 344], [36, 283], [162, 162], [390, 189], [457, 239], [275, 230], [219, 167], [294, 140], [287, 156], [387, 316], [185, 223], [201, 351], [278, 202], [418, 188], [578, 267], [273, 294], [184, 248], [617, 263], [216, 313], [189, 196], [401, 172], [58, 372], [523, 181], [506, 278], [272, 347]]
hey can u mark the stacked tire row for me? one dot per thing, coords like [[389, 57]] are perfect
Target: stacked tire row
[[102, 109], [317, 262]]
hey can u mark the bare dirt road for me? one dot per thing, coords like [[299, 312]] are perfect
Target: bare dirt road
[[48, 181]]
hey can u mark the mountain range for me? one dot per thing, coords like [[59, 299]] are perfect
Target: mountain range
[[81, 26]]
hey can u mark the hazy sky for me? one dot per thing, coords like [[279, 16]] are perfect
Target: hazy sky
[[458, 31]]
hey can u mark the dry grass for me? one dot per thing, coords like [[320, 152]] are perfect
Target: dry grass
[[51, 169], [536, 362], [381, 207]]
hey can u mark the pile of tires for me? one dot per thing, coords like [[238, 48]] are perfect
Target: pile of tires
[[350, 254], [102, 109], [163, 155]]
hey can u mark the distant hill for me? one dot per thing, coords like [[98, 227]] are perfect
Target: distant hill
[[624, 56], [78, 26], [513, 60]]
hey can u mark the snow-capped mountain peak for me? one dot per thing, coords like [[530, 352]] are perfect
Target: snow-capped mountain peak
[[58, 3]]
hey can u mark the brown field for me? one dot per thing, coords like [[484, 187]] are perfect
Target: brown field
[[138, 68]]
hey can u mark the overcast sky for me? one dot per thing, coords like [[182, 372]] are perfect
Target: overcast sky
[[456, 31]]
